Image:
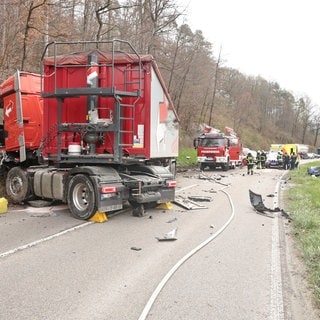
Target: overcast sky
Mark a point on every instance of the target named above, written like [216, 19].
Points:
[276, 39]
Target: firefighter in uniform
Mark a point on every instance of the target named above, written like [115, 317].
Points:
[250, 163]
[280, 159]
[263, 159]
[258, 159]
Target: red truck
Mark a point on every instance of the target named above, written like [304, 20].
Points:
[95, 129]
[218, 149]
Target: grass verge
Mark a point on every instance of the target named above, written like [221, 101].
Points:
[187, 157]
[303, 203]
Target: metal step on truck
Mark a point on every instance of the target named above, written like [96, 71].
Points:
[95, 129]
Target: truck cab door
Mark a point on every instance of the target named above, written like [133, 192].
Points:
[13, 120]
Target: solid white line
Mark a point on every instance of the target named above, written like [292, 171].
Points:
[34, 243]
[276, 304]
[163, 282]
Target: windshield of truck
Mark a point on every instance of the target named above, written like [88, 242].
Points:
[211, 142]
[234, 141]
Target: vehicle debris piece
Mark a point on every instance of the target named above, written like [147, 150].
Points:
[200, 198]
[170, 236]
[257, 203]
[211, 191]
[172, 220]
[286, 215]
[215, 177]
[313, 171]
[135, 248]
[188, 204]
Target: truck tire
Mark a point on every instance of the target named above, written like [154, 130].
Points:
[225, 167]
[18, 187]
[81, 197]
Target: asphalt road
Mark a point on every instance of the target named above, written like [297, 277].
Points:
[227, 262]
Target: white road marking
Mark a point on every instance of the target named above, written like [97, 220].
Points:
[34, 243]
[166, 278]
[276, 303]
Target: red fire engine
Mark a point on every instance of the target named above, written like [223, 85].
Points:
[218, 149]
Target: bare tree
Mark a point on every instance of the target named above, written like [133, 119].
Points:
[316, 129]
[30, 26]
[160, 16]
[306, 115]
[214, 87]
[200, 87]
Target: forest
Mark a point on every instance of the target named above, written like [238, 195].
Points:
[203, 89]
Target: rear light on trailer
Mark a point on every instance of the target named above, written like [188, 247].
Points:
[171, 184]
[108, 189]
[107, 192]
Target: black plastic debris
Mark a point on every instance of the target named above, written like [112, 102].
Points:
[314, 171]
[135, 248]
[286, 215]
[257, 203]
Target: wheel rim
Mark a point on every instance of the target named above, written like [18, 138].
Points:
[16, 185]
[81, 196]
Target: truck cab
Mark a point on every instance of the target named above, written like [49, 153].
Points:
[212, 150]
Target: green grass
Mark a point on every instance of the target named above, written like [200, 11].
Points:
[187, 157]
[303, 203]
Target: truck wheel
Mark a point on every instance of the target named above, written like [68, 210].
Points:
[17, 185]
[202, 166]
[138, 210]
[81, 197]
[225, 167]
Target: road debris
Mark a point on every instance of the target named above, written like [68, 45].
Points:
[257, 203]
[187, 203]
[210, 191]
[170, 236]
[135, 248]
[200, 198]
